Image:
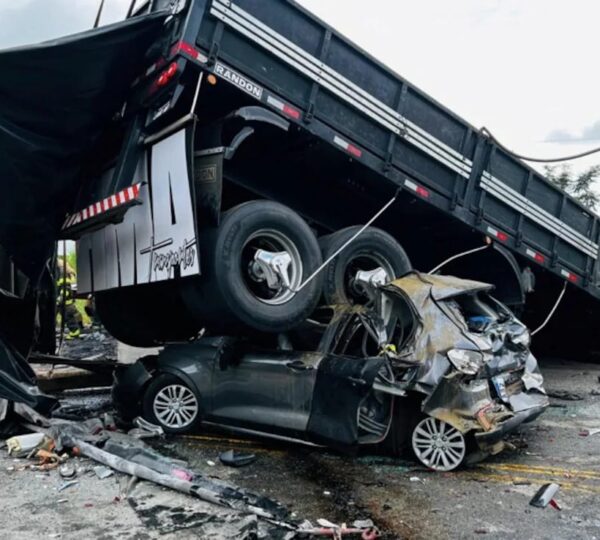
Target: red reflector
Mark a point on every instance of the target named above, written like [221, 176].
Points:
[422, 192]
[498, 235]
[187, 48]
[539, 258]
[569, 275]
[293, 113]
[166, 76]
[354, 151]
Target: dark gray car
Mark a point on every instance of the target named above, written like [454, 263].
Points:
[434, 361]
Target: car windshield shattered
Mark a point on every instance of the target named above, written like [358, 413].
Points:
[432, 364]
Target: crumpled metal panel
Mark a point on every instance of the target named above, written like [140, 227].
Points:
[467, 402]
[439, 287]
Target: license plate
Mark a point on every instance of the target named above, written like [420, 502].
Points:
[500, 387]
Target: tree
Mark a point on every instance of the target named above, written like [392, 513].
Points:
[579, 185]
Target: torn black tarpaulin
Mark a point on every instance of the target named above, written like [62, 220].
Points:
[17, 380]
[55, 99]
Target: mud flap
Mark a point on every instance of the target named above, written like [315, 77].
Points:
[208, 187]
[156, 241]
[342, 385]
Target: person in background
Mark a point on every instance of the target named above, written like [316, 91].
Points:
[65, 301]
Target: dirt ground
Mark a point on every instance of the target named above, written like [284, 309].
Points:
[490, 500]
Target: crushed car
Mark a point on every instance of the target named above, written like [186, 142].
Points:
[433, 362]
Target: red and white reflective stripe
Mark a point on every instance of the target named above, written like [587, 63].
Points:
[419, 190]
[190, 50]
[499, 235]
[283, 107]
[350, 148]
[569, 275]
[538, 257]
[123, 196]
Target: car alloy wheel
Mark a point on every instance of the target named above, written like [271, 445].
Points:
[438, 445]
[175, 406]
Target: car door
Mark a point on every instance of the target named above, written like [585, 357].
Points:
[269, 391]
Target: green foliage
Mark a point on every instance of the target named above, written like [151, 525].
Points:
[72, 260]
[579, 185]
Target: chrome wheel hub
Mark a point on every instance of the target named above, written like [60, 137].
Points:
[364, 273]
[175, 406]
[438, 445]
[271, 266]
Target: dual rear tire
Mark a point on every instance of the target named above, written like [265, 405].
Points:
[253, 265]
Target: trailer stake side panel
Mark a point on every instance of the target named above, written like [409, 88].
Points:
[280, 54]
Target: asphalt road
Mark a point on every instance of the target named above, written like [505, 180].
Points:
[406, 501]
[490, 500]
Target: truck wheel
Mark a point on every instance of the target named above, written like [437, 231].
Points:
[252, 264]
[170, 403]
[373, 250]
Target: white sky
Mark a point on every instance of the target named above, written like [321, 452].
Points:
[526, 69]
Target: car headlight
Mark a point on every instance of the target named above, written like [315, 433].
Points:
[466, 361]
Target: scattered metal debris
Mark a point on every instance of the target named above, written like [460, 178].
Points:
[67, 484]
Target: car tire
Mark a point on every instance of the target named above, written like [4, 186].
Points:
[437, 445]
[145, 315]
[165, 391]
[372, 249]
[232, 290]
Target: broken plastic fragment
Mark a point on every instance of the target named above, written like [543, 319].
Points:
[102, 472]
[544, 495]
[23, 444]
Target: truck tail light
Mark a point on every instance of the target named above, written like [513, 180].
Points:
[167, 75]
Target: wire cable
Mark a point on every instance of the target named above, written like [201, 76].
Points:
[457, 256]
[486, 132]
[347, 243]
[554, 308]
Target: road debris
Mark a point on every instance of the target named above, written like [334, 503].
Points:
[236, 459]
[365, 528]
[66, 485]
[545, 496]
[565, 395]
[22, 445]
[102, 472]
[67, 471]
[589, 432]
[115, 451]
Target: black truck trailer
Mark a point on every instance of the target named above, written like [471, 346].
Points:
[256, 140]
